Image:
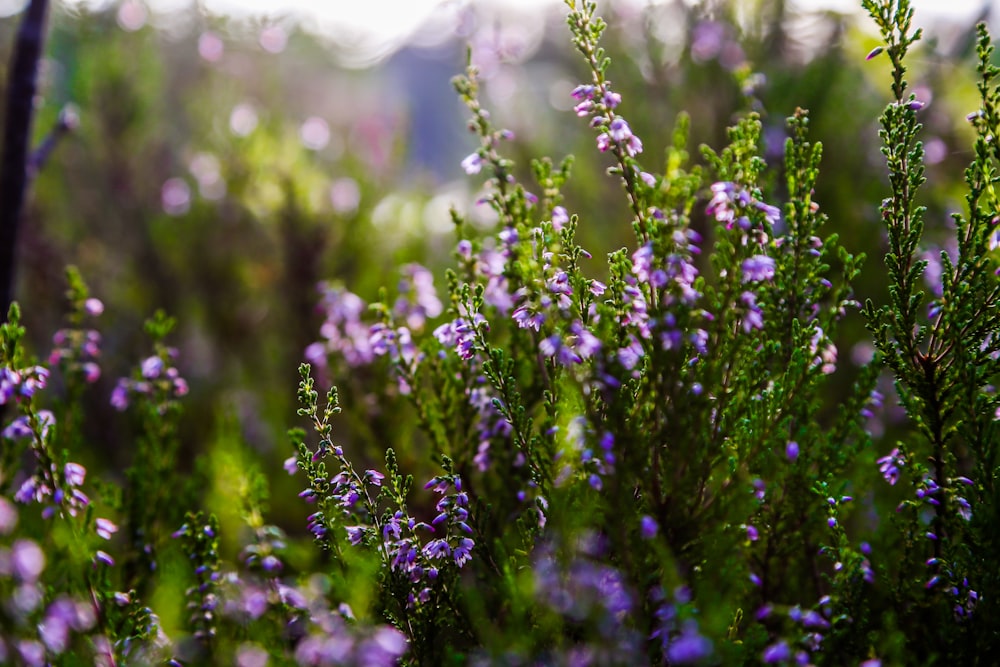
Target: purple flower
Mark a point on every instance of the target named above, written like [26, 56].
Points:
[874, 52]
[119, 395]
[472, 164]
[758, 267]
[463, 551]
[584, 108]
[619, 130]
[104, 558]
[355, 534]
[437, 549]
[754, 318]
[105, 528]
[27, 560]
[889, 466]
[559, 218]
[648, 527]
[771, 213]
[777, 652]
[792, 450]
[93, 307]
[152, 367]
[690, 647]
[17, 429]
[74, 473]
[964, 509]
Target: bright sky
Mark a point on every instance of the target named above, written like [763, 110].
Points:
[378, 26]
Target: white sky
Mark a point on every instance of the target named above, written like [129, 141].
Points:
[380, 25]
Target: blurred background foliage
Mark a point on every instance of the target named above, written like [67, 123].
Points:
[223, 167]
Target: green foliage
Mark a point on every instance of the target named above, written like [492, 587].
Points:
[658, 456]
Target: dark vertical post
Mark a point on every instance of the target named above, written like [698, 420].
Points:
[21, 87]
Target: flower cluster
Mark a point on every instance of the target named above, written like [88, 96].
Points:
[77, 350]
[21, 384]
[343, 330]
[158, 379]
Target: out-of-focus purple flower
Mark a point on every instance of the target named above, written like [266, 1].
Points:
[27, 561]
[8, 516]
[152, 367]
[251, 655]
[648, 527]
[119, 395]
[758, 267]
[754, 316]
[33, 379]
[690, 647]
[104, 558]
[964, 508]
[31, 652]
[383, 649]
[105, 528]
[75, 474]
[560, 218]
[777, 652]
[792, 450]
[17, 429]
[93, 307]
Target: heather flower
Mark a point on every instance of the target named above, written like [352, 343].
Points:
[152, 367]
[889, 466]
[754, 316]
[758, 267]
[27, 561]
[771, 213]
[17, 429]
[690, 647]
[777, 652]
[463, 551]
[472, 164]
[560, 218]
[619, 130]
[964, 508]
[792, 450]
[648, 527]
[119, 395]
[418, 300]
[33, 379]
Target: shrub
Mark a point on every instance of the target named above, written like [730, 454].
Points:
[657, 468]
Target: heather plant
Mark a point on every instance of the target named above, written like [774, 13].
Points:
[585, 456]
